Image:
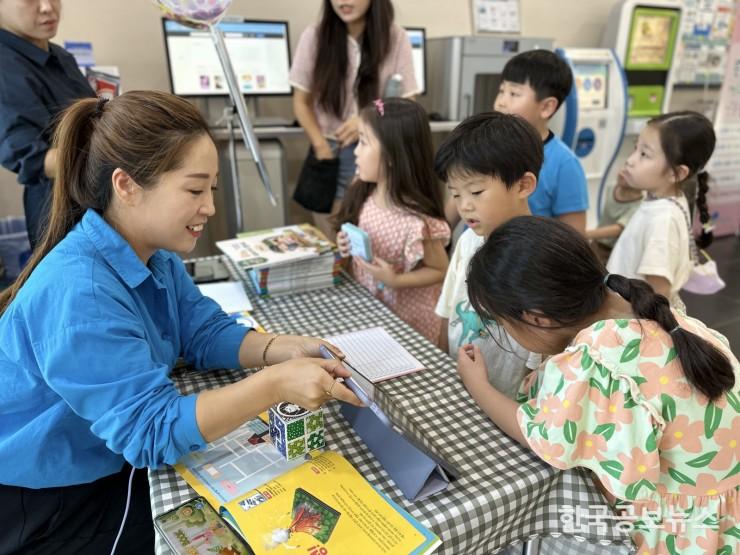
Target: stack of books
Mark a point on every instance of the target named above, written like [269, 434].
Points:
[284, 260]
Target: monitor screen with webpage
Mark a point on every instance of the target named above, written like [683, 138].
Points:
[259, 52]
[417, 38]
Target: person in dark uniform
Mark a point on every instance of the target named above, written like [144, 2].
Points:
[38, 80]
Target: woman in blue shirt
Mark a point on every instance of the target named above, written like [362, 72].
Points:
[38, 80]
[92, 327]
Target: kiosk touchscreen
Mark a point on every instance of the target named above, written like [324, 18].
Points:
[645, 35]
[593, 117]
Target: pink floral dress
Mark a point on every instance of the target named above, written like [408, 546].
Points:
[617, 402]
[396, 236]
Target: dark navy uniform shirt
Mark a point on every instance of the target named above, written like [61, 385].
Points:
[35, 86]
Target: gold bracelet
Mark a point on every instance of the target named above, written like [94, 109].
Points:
[264, 353]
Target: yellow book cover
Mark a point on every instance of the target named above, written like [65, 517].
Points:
[323, 507]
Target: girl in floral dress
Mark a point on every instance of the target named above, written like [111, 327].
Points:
[641, 395]
[397, 200]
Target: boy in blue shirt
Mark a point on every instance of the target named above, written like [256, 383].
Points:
[534, 84]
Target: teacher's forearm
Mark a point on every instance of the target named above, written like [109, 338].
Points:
[253, 347]
[220, 411]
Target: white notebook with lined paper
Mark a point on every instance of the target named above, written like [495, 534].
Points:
[375, 354]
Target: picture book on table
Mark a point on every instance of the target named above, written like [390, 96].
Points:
[319, 506]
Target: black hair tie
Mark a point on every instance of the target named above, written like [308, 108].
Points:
[102, 101]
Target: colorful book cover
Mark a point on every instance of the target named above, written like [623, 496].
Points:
[276, 246]
[235, 464]
[325, 506]
[322, 506]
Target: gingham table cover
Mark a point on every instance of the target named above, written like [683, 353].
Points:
[504, 495]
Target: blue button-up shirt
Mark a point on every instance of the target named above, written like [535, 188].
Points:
[86, 349]
[35, 86]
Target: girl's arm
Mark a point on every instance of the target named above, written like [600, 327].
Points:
[576, 220]
[660, 284]
[431, 272]
[433, 269]
[605, 232]
[472, 369]
[303, 109]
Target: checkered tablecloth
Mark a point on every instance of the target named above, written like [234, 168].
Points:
[505, 494]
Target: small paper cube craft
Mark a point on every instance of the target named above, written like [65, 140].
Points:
[294, 430]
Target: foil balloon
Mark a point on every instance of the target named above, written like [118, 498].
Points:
[195, 13]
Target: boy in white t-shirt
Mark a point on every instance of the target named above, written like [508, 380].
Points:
[490, 164]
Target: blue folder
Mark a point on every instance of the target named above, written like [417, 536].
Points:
[417, 472]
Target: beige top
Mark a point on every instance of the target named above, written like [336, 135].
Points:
[399, 60]
[655, 243]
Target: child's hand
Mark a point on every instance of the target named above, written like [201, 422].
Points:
[380, 270]
[343, 244]
[471, 366]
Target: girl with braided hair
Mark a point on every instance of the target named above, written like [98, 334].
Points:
[643, 396]
[655, 245]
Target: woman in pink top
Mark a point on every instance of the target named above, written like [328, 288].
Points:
[397, 200]
[360, 48]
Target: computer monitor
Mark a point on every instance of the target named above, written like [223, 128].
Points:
[259, 52]
[591, 85]
[417, 38]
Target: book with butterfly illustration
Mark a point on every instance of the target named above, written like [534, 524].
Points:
[324, 505]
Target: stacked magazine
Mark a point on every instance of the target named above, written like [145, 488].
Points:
[287, 259]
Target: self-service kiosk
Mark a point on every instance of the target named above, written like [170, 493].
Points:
[465, 72]
[593, 117]
[645, 36]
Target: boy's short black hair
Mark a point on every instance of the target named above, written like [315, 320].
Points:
[503, 146]
[546, 72]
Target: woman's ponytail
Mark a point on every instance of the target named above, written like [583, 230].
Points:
[72, 142]
[706, 236]
[705, 367]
